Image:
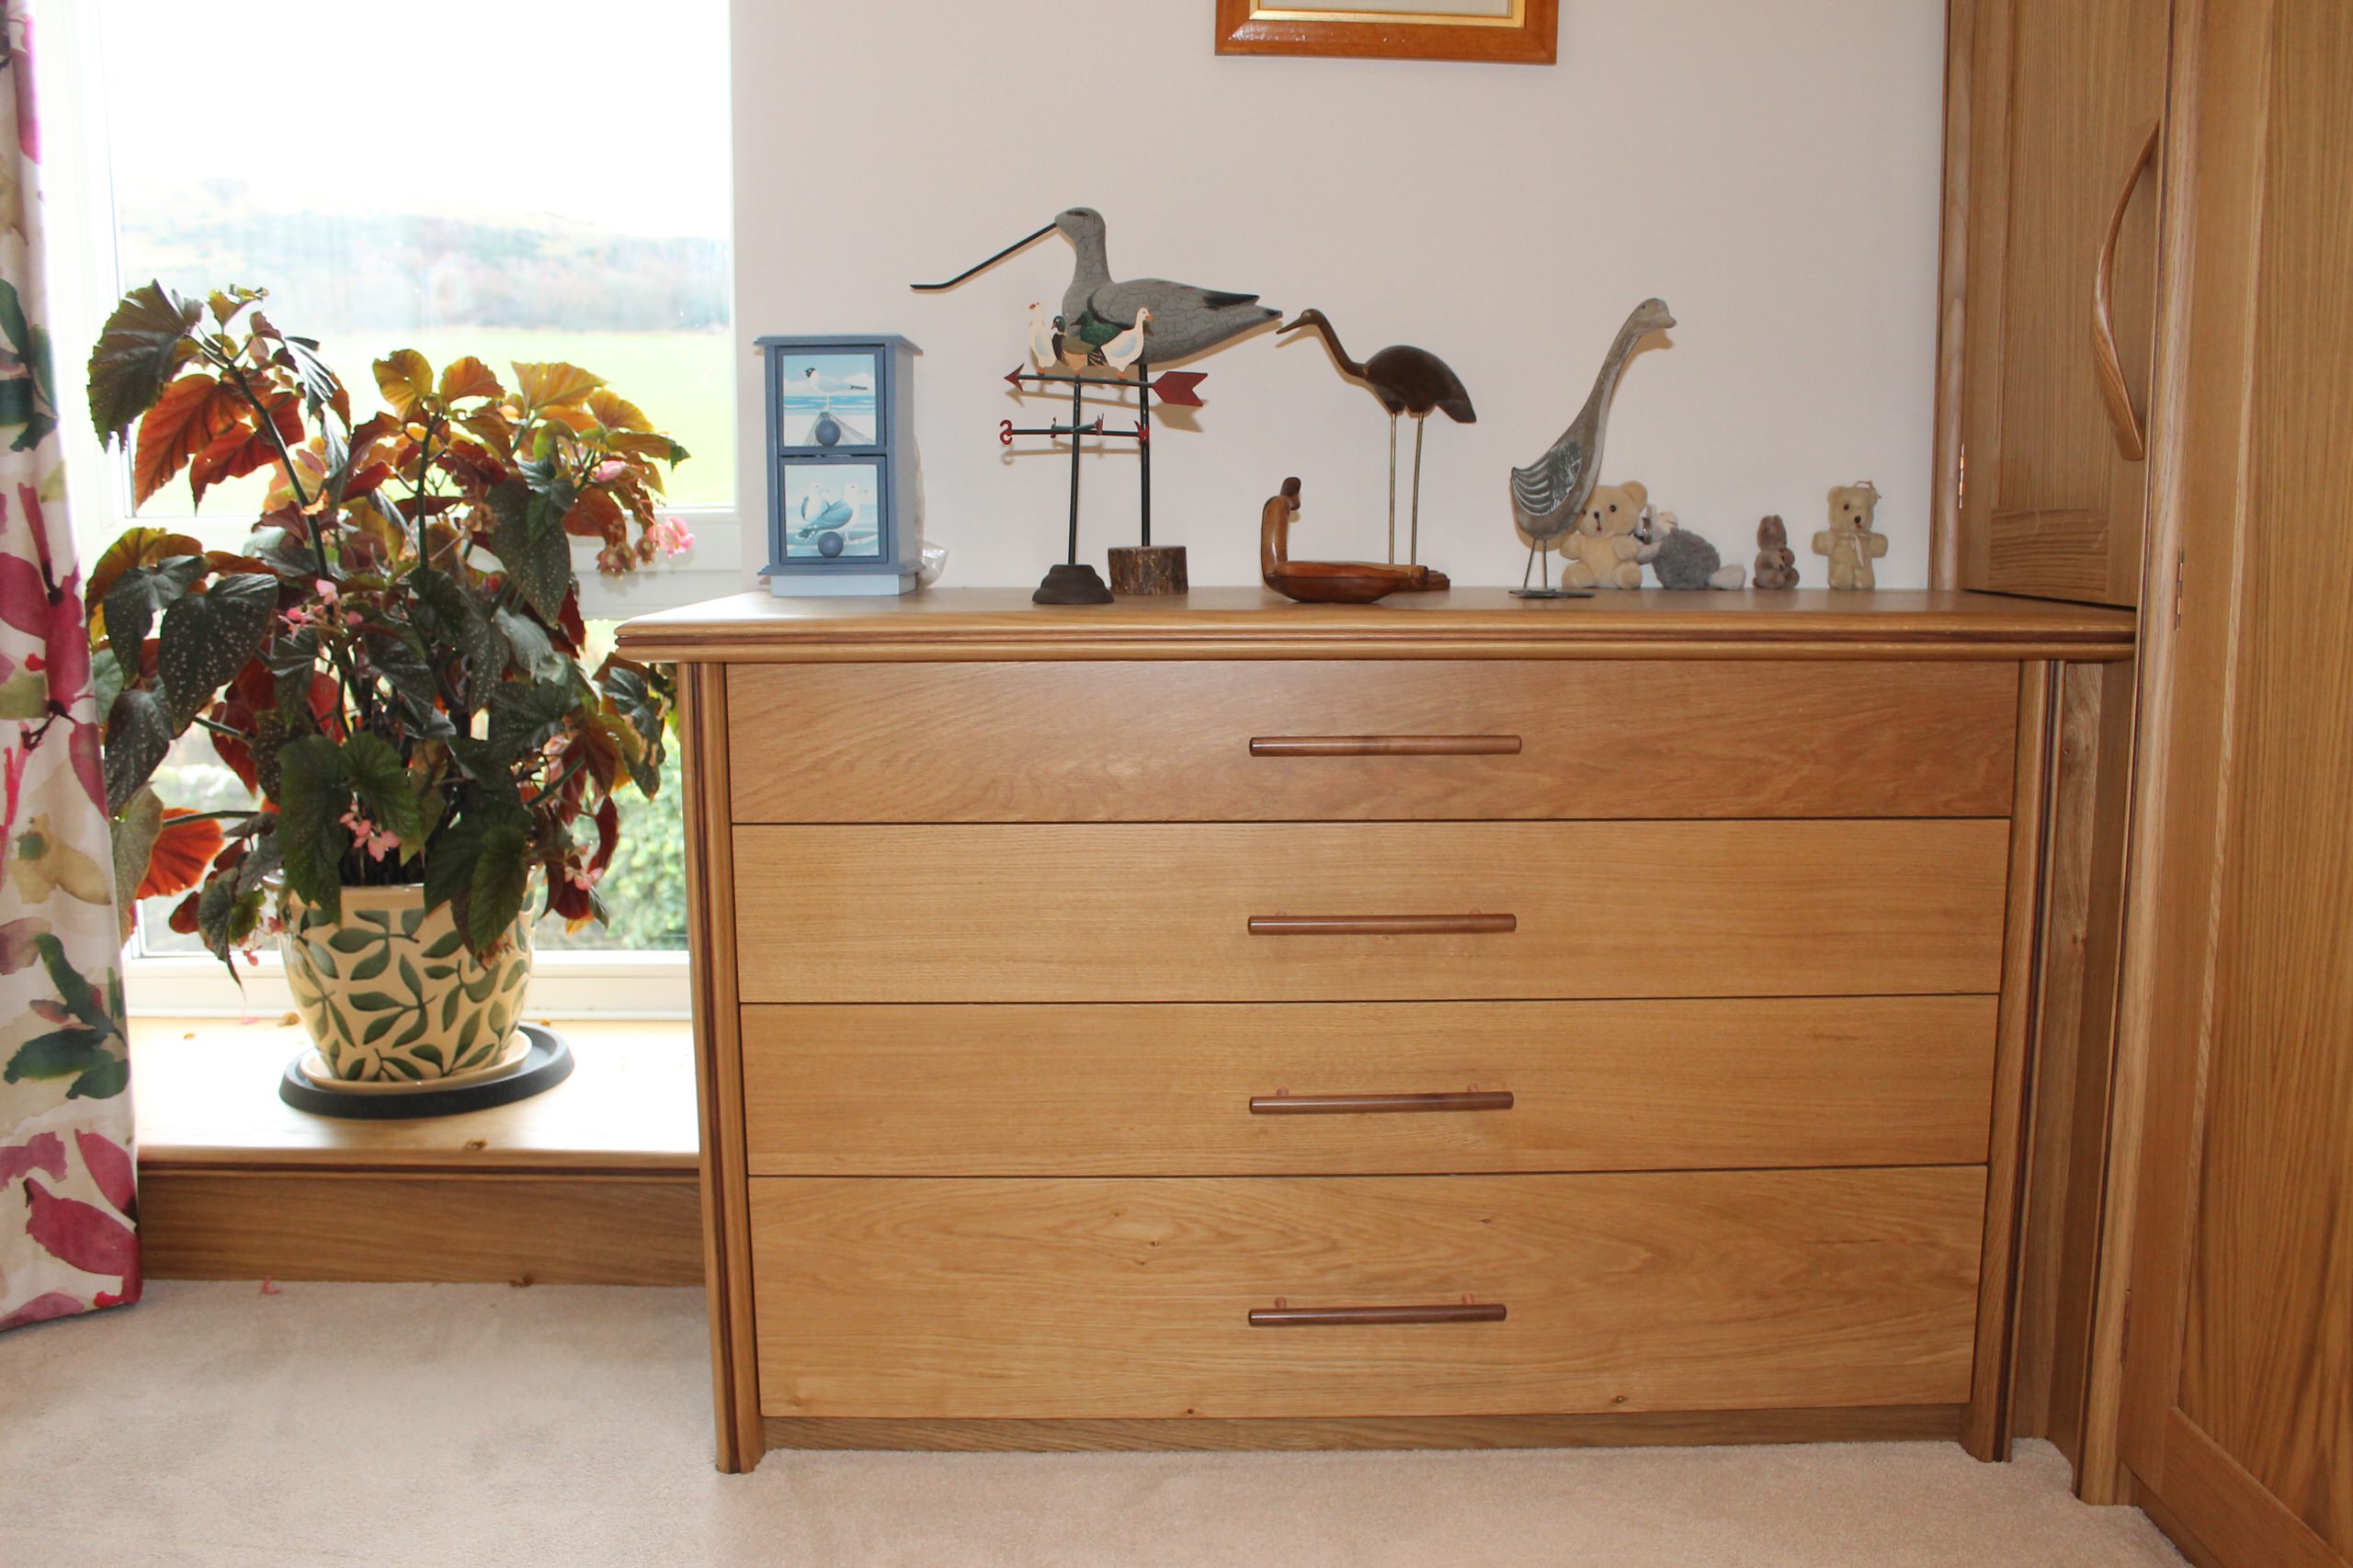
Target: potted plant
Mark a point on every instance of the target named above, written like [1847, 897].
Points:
[393, 663]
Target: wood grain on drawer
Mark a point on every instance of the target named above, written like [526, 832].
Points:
[1079, 1298]
[1143, 913]
[1172, 741]
[1143, 1090]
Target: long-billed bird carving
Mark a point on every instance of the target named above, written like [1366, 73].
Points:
[1408, 380]
[1186, 319]
[1548, 495]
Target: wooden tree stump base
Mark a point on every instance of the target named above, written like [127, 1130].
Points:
[1155, 569]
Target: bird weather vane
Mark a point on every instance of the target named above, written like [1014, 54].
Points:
[1118, 327]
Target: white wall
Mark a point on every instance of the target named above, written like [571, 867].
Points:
[1771, 170]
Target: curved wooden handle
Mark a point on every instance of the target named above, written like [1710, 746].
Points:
[1368, 1317]
[1383, 925]
[1384, 745]
[1370, 1105]
[2132, 430]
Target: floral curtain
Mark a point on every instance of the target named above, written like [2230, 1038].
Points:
[68, 1196]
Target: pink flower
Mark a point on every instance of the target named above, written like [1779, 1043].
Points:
[366, 835]
[608, 470]
[671, 534]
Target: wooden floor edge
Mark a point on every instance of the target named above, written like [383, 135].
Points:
[1898, 1422]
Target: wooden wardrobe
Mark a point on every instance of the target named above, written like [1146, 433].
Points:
[2148, 401]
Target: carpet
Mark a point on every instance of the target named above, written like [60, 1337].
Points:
[471, 1426]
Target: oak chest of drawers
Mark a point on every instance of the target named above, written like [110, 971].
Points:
[1466, 1020]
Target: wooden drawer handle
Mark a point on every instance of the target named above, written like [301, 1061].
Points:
[1383, 925]
[1368, 1104]
[1384, 745]
[1374, 1317]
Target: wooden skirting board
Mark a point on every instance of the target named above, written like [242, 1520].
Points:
[593, 1183]
[1894, 1423]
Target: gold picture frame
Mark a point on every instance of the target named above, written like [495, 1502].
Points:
[1524, 32]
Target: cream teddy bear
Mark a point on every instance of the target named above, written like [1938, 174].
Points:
[1604, 551]
[1848, 542]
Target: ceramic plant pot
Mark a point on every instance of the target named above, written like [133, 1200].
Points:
[391, 995]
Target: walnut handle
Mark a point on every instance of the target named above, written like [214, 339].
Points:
[1375, 1317]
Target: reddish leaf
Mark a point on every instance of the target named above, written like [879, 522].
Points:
[568, 617]
[596, 515]
[43, 1308]
[182, 851]
[44, 1152]
[82, 1233]
[241, 449]
[467, 378]
[403, 376]
[140, 546]
[183, 918]
[110, 1165]
[608, 835]
[192, 412]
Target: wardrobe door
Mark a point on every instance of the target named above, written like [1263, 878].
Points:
[2238, 1375]
[2066, 97]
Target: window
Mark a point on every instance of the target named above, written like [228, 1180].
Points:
[527, 179]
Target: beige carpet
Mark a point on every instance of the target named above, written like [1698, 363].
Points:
[462, 1427]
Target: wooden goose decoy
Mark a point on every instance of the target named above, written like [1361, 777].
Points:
[1408, 380]
[1328, 581]
[1186, 319]
[1548, 495]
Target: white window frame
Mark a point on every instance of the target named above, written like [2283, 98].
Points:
[83, 268]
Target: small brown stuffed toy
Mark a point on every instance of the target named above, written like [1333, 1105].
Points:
[1777, 563]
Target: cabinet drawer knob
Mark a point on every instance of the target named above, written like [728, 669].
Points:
[1383, 925]
[1375, 1317]
[1384, 745]
[1368, 1104]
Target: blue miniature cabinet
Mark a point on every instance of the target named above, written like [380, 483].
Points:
[841, 465]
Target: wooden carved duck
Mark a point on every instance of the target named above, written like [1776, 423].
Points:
[1328, 581]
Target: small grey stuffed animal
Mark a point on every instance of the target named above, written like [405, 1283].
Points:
[1684, 561]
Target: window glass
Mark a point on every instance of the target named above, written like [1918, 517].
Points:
[519, 180]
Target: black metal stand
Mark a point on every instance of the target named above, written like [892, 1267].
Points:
[1145, 569]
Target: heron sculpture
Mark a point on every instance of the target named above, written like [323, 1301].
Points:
[1186, 319]
[1549, 493]
[1408, 380]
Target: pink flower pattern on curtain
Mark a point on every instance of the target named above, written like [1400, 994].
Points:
[68, 1193]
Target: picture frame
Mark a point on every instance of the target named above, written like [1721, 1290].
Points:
[1525, 32]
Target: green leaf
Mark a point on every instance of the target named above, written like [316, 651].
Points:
[136, 828]
[372, 965]
[373, 1002]
[431, 1053]
[386, 796]
[380, 1028]
[501, 877]
[105, 1081]
[449, 618]
[61, 1053]
[138, 735]
[312, 795]
[443, 948]
[226, 913]
[538, 557]
[141, 344]
[209, 637]
[534, 654]
[138, 594]
[523, 717]
[353, 939]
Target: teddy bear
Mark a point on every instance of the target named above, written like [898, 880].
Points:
[1777, 563]
[1682, 559]
[1848, 542]
[1604, 550]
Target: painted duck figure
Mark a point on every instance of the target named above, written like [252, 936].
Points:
[1187, 320]
[1548, 495]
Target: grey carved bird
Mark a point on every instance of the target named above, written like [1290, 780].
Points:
[1408, 380]
[1186, 319]
[1548, 495]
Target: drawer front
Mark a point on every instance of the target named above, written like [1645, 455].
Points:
[1345, 740]
[1078, 1298]
[1426, 911]
[1366, 1089]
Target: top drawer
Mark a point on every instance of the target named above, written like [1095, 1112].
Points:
[1275, 741]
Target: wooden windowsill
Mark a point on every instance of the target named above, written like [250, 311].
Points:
[206, 1091]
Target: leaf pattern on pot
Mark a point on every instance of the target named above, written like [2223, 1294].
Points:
[390, 992]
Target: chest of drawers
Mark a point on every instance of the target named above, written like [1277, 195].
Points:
[1222, 1021]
